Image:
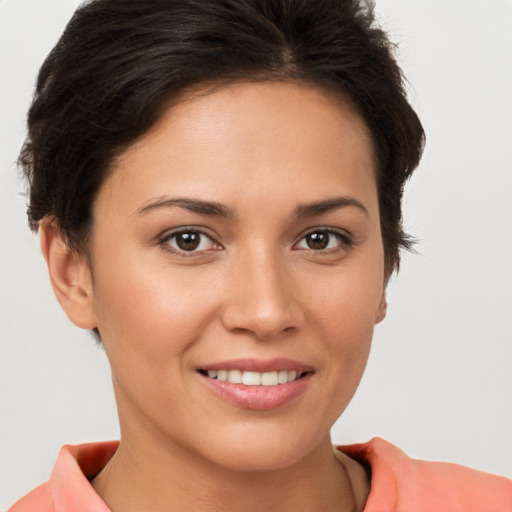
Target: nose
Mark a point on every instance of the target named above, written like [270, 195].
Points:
[260, 299]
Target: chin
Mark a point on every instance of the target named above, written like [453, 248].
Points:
[263, 460]
[266, 451]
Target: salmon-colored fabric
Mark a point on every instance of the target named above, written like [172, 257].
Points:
[402, 484]
[398, 483]
[68, 489]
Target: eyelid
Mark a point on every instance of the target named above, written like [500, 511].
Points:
[163, 240]
[346, 238]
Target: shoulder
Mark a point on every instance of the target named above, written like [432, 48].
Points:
[69, 488]
[399, 482]
[39, 499]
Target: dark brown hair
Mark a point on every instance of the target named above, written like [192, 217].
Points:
[119, 63]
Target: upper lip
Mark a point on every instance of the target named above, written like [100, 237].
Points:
[258, 365]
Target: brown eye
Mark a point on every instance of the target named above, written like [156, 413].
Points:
[324, 240]
[189, 241]
[318, 241]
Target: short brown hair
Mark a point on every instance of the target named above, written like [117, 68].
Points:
[119, 62]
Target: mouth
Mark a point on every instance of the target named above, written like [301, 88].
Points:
[258, 385]
[251, 378]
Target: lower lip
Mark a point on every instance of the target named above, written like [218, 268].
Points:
[258, 397]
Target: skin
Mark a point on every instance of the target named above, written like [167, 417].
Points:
[254, 288]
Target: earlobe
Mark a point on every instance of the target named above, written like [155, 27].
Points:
[382, 310]
[69, 274]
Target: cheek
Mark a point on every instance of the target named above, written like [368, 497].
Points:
[349, 298]
[152, 311]
[345, 312]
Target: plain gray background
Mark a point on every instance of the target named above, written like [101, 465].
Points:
[439, 380]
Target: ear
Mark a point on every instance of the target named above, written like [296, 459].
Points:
[69, 274]
[382, 309]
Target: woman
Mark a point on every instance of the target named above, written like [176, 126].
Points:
[237, 172]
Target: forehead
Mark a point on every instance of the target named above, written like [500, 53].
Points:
[254, 139]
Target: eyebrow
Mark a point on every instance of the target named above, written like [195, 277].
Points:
[327, 205]
[194, 205]
[219, 210]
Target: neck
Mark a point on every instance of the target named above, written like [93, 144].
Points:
[144, 476]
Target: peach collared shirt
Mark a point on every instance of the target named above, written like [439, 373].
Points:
[398, 483]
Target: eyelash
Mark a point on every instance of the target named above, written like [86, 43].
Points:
[165, 242]
[344, 239]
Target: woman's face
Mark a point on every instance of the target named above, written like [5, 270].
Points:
[240, 239]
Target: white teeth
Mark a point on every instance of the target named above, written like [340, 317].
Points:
[282, 377]
[235, 376]
[254, 378]
[269, 379]
[251, 378]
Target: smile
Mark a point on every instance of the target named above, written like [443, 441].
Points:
[256, 384]
[248, 378]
